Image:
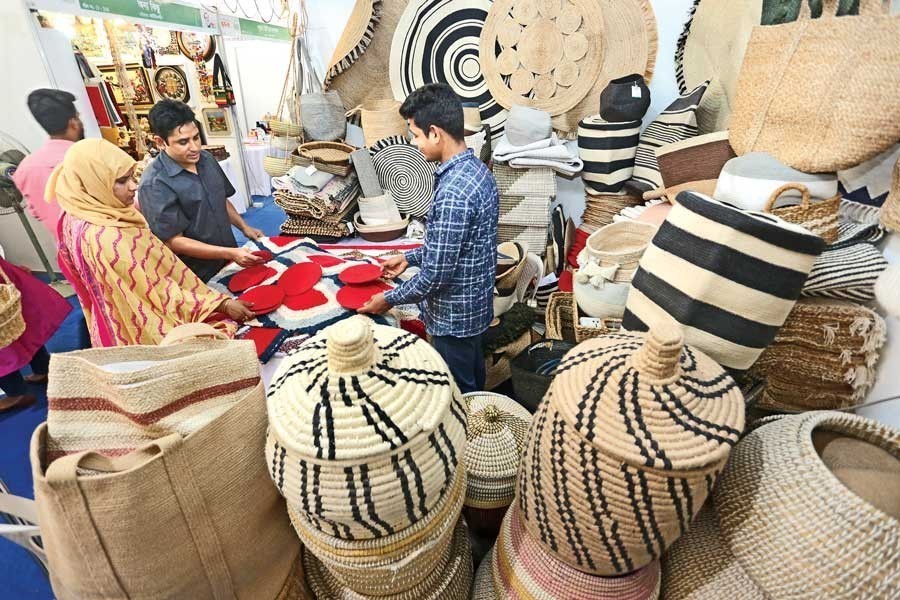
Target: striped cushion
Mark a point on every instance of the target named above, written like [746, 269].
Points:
[607, 150]
[678, 122]
[729, 276]
[848, 268]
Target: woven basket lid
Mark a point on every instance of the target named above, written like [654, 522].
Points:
[519, 563]
[357, 391]
[651, 402]
[496, 435]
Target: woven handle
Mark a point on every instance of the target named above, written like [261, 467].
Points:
[353, 111]
[804, 202]
[65, 468]
[191, 331]
[23, 508]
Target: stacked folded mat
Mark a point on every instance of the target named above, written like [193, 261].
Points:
[525, 196]
[367, 433]
[318, 205]
[620, 455]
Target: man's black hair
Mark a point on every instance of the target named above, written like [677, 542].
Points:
[52, 109]
[168, 115]
[435, 104]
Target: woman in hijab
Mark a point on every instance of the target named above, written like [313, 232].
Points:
[133, 289]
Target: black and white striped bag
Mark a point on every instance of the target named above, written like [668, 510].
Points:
[678, 122]
[607, 151]
[728, 276]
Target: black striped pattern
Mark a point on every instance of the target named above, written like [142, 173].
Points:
[403, 171]
[678, 122]
[679, 49]
[351, 57]
[846, 273]
[608, 152]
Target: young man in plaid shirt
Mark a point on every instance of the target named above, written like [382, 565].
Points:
[455, 285]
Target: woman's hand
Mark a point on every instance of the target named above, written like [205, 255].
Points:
[237, 310]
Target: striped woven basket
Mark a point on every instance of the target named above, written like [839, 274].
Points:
[522, 210]
[12, 325]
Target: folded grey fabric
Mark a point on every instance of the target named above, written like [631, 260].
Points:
[365, 171]
[527, 125]
[309, 182]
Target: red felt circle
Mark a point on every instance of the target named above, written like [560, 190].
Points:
[353, 297]
[325, 260]
[306, 300]
[364, 273]
[283, 240]
[300, 278]
[249, 277]
[263, 254]
[264, 298]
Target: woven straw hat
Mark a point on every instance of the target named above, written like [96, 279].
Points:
[366, 428]
[495, 440]
[521, 568]
[711, 47]
[354, 40]
[806, 508]
[625, 448]
[452, 582]
[392, 564]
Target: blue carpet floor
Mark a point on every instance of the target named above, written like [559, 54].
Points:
[21, 576]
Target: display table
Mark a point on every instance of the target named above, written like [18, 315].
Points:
[239, 200]
[258, 181]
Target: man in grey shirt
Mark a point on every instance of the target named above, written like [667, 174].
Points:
[184, 196]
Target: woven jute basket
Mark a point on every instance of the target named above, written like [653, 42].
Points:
[380, 119]
[890, 211]
[332, 153]
[277, 167]
[340, 170]
[285, 128]
[563, 320]
[12, 325]
[452, 582]
[366, 429]
[625, 448]
[522, 569]
[806, 509]
[392, 564]
[495, 440]
[820, 217]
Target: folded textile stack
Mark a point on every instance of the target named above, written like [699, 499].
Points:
[525, 196]
[823, 357]
[329, 227]
[601, 209]
[318, 205]
[849, 267]
[367, 431]
[603, 490]
[806, 508]
[529, 142]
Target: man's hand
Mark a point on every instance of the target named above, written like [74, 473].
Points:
[237, 310]
[252, 233]
[394, 266]
[376, 306]
[244, 257]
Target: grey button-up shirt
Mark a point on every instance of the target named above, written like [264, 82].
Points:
[177, 202]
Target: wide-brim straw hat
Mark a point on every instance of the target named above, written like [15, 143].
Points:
[625, 448]
[693, 164]
[806, 508]
[711, 47]
[393, 564]
[522, 568]
[449, 583]
[495, 438]
[366, 428]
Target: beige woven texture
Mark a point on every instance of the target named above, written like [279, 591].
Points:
[401, 419]
[449, 583]
[192, 517]
[618, 245]
[563, 324]
[381, 119]
[824, 357]
[600, 209]
[807, 508]
[624, 449]
[521, 568]
[495, 441]
[12, 325]
[791, 98]
[890, 212]
[352, 38]
[820, 217]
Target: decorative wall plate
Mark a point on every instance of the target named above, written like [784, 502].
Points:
[192, 44]
[170, 82]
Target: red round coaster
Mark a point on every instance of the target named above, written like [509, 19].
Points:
[353, 297]
[306, 300]
[264, 298]
[365, 273]
[283, 240]
[249, 277]
[300, 278]
[264, 254]
[325, 260]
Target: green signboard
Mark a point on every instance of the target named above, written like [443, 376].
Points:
[147, 9]
[264, 30]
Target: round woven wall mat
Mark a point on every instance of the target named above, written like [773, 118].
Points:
[438, 41]
[403, 171]
[507, 61]
[540, 49]
[544, 87]
[627, 44]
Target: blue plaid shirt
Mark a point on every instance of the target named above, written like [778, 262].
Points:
[455, 286]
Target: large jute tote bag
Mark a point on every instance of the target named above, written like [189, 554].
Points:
[821, 94]
[182, 516]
